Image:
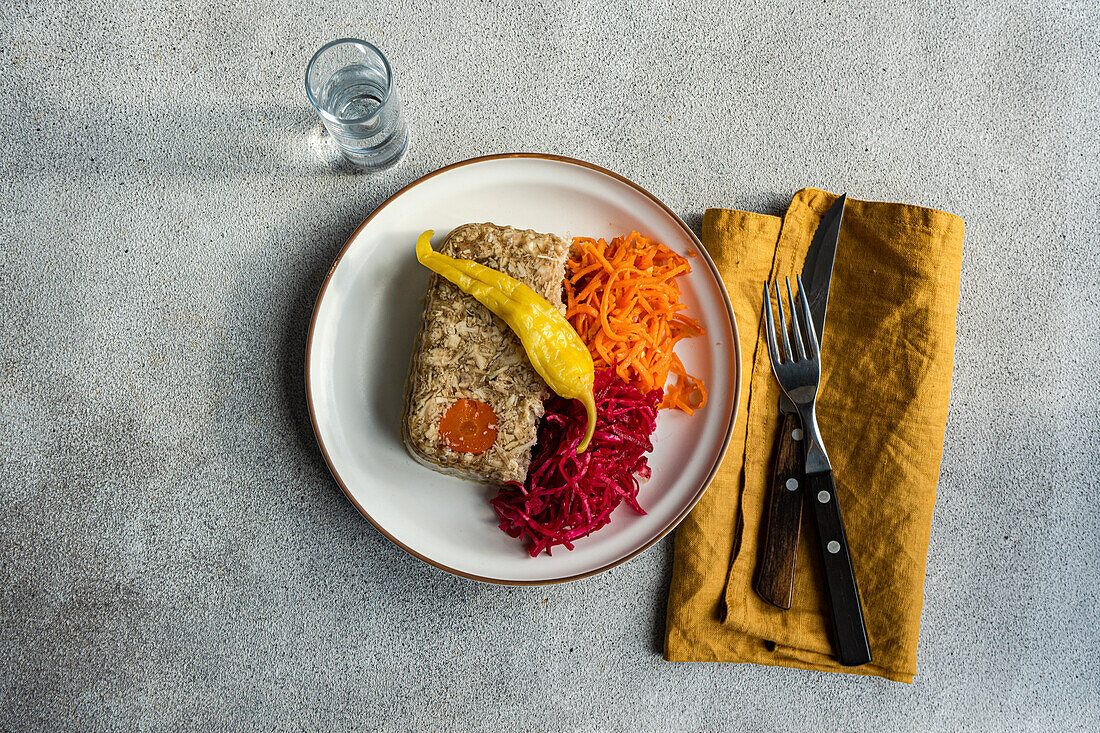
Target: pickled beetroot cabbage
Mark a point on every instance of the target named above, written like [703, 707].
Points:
[568, 495]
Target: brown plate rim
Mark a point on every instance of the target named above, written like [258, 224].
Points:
[736, 350]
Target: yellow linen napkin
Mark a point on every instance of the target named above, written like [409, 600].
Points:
[882, 408]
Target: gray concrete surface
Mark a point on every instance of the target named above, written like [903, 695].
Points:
[173, 552]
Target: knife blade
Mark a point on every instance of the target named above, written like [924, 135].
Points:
[775, 578]
[818, 267]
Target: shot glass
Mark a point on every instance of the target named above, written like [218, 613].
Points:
[350, 84]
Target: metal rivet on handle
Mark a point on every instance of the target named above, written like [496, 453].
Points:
[792, 484]
[833, 547]
[796, 434]
[823, 497]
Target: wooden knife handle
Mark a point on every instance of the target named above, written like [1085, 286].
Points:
[775, 578]
[848, 628]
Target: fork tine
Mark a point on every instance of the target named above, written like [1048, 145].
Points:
[807, 322]
[773, 347]
[783, 322]
[794, 321]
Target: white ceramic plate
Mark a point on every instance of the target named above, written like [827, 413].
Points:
[361, 339]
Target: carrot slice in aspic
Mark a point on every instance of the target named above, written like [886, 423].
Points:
[469, 426]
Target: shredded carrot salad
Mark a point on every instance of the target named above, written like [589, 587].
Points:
[623, 300]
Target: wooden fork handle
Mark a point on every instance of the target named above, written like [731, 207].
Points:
[848, 628]
[775, 577]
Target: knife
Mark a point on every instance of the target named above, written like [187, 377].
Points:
[775, 578]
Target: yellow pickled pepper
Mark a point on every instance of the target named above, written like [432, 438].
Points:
[553, 346]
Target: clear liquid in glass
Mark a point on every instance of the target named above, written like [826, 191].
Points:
[369, 127]
[354, 92]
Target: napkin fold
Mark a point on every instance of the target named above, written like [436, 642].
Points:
[882, 408]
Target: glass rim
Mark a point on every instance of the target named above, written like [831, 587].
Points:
[324, 112]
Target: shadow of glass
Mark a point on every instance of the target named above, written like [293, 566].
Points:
[216, 144]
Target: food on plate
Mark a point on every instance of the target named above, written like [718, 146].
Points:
[463, 352]
[496, 333]
[623, 299]
[568, 495]
[469, 426]
[553, 347]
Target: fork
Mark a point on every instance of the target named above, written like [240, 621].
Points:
[799, 374]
